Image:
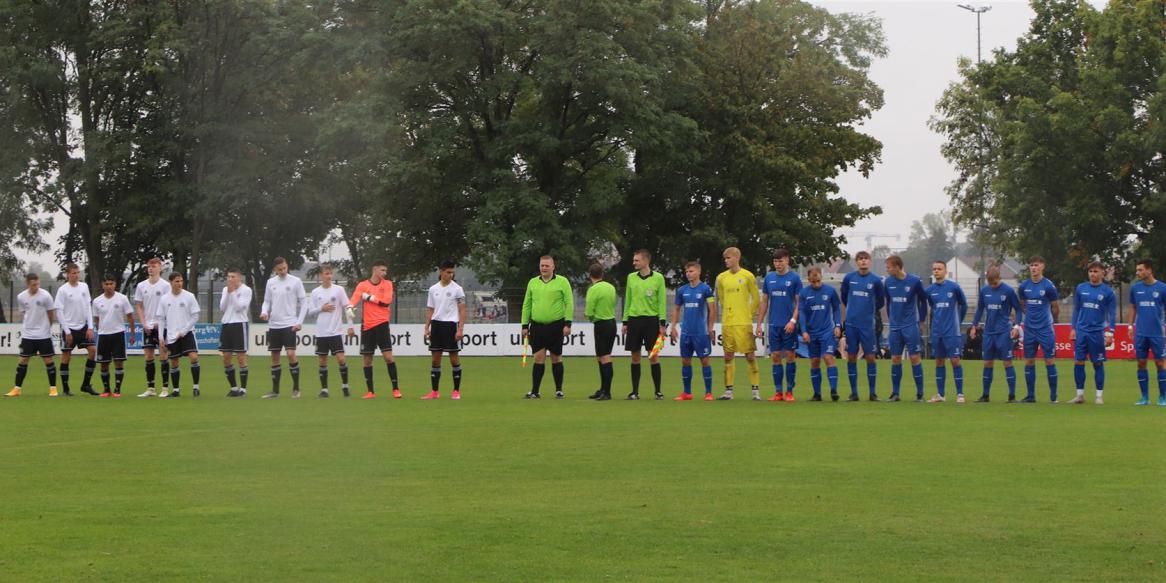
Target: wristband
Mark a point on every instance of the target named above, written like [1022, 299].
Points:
[663, 323]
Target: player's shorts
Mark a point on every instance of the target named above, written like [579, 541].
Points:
[907, 339]
[859, 337]
[605, 333]
[1143, 345]
[1089, 346]
[698, 345]
[443, 337]
[1045, 340]
[151, 338]
[642, 333]
[547, 337]
[280, 339]
[326, 345]
[79, 340]
[111, 347]
[376, 339]
[997, 346]
[233, 337]
[822, 345]
[182, 346]
[738, 340]
[779, 341]
[947, 347]
[36, 347]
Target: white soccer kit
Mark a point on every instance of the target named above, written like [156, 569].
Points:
[236, 306]
[444, 300]
[285, 302]
[36, 325]
[111, 313]
[149, 294]
[329, 323]
[177, 314]
[74, 311]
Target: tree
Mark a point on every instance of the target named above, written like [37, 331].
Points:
[931, 239]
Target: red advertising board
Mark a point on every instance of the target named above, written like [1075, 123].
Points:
[1121, 347]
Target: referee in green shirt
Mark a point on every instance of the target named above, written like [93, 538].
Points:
[546, 313]
[645, 317]
[600, 311]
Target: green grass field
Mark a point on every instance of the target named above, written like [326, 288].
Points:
[500, 489]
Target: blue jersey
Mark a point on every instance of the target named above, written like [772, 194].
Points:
[949, 307]
[997, 305]
[1094, 307]
[821, 312]
[694, 309]
[1150, 301]
[1037, 299]
[863, 297]
[906, 301]
[782, 291]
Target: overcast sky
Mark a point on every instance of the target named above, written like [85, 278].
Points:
[925, 38]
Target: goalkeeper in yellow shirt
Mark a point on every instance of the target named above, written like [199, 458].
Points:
[740, 300]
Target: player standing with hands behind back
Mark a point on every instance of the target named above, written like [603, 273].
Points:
[546, 320]
[445, 324]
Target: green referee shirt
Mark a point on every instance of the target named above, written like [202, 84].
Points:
[600, 302]
[547, 301]
[645, 296]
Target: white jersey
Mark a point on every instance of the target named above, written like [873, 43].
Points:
[74, 311]
[177, 314]
[149, 294]
[285, 302]
[111, 313]
[329, 323]
[444, 300]
[236, 306]
[36, 308]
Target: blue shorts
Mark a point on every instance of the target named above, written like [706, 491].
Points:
[779, 341]
[698, 346]
[822, 345]
[1089, 346]
[1045, 340]
[947, 347]
[997, 346]
[1143, 345]
[857, 337]
[907, 339]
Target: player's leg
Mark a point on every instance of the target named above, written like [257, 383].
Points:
[164, 365]
[230, 373]
[940, 372]
[634, 367]
[706, 369]
[342, 365]
[1080, 356]
[67, 342]
[90, 366]
[367, 349]
[754, 373]
[434, 375]
[831, 372]
[322, 366]
[815, 374]
[538, 347]
[51, 370]
[1160, 365]
[685, 372]
[871, 375]
[791, 366]
[988, 374]
[1030, 347]
[391, 367]
[175, 375]
[1097, 351]
[455, 371]
[897, 343]
[293, 366]
[657, 375]
[276, 368]
[773, 341]
[853, 343]
[21, 372]
[1049, 351]
[1141, 353]
[557, 373]
[195, 371]
[151, 365]
[119, 375]
[107, 390]
[957, 374]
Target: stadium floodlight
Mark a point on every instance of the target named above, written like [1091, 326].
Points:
[978, 10]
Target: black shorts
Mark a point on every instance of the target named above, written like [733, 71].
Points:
[111, 347]
[443, 337]
[281, 339]
[547, 337]
[151, 339]
[79, 340]
[233, 337]
[326, 345]
[642, 332]
[182, 346]
[376, 339]
[37, 347]
[605, 333]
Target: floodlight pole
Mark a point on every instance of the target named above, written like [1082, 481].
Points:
[978, 10]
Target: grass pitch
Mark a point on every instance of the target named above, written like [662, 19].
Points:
[496, 488]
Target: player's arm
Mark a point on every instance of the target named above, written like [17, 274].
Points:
[1076, 307]
[1110, 312]
[302, 296]
[921, 302]
[129, 312]
[527, 303]
[662, 305]
[712, 303]
[89, 319]
[762, 311]
[356, 293]
[961, 305]
[194, 310]
[880, 296]
[225, 300]
[1054, 305]
[568, 305]
[755, 298]
[676, 318]
[461, 316]
[265, 309]
[836, 310]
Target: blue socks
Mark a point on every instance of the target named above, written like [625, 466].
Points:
[1010, 376]
[1030, 380]
[871, 376]
[1051, 370]
[1098, 376]
[1079, 376]
[1144, 382]
[941, 380]
[1162, 383]
[791, 372]
[917, 373]
[686, 374]
[896, 377]
[957, 371]
[832, 376]
[852, 376]
[816, 380]
[707, 371]
[778, 376]
[988, 373]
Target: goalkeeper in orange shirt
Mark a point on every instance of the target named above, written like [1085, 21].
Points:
[375, 295]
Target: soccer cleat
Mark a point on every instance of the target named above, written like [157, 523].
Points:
[295, 393]
[15, 392]
[164, 393]
[959, 398]
[1078, 400]
[603, 397]
[457, 395]
[1011, 398]
[683, 397]
[90, 391]
[633, 397]
[397, 393]
[708, 396]
[596, 394]
[1162, 401]
[936, 399]
[234, 393]
[833, 396]
[1098, 401]
[874, 398]
[346, 393]
[1143, 402]
[323, 394]
[196, 393]
[271, 395]
[1027, 400]
[757, 397]
[176, 393]
[659, 396]
[778, 396]
[117, 395]
[533, 395]
[894, 398]
[431, 395]
[369, 395]
[983, 399]
[149, 393]
[66, 394]
[789, 396]
[559, 394]
[106, 395]
[726, 396]
[52, 391]
[816, 397]
[852, 398]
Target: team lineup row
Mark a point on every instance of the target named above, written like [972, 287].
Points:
[780, 306]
